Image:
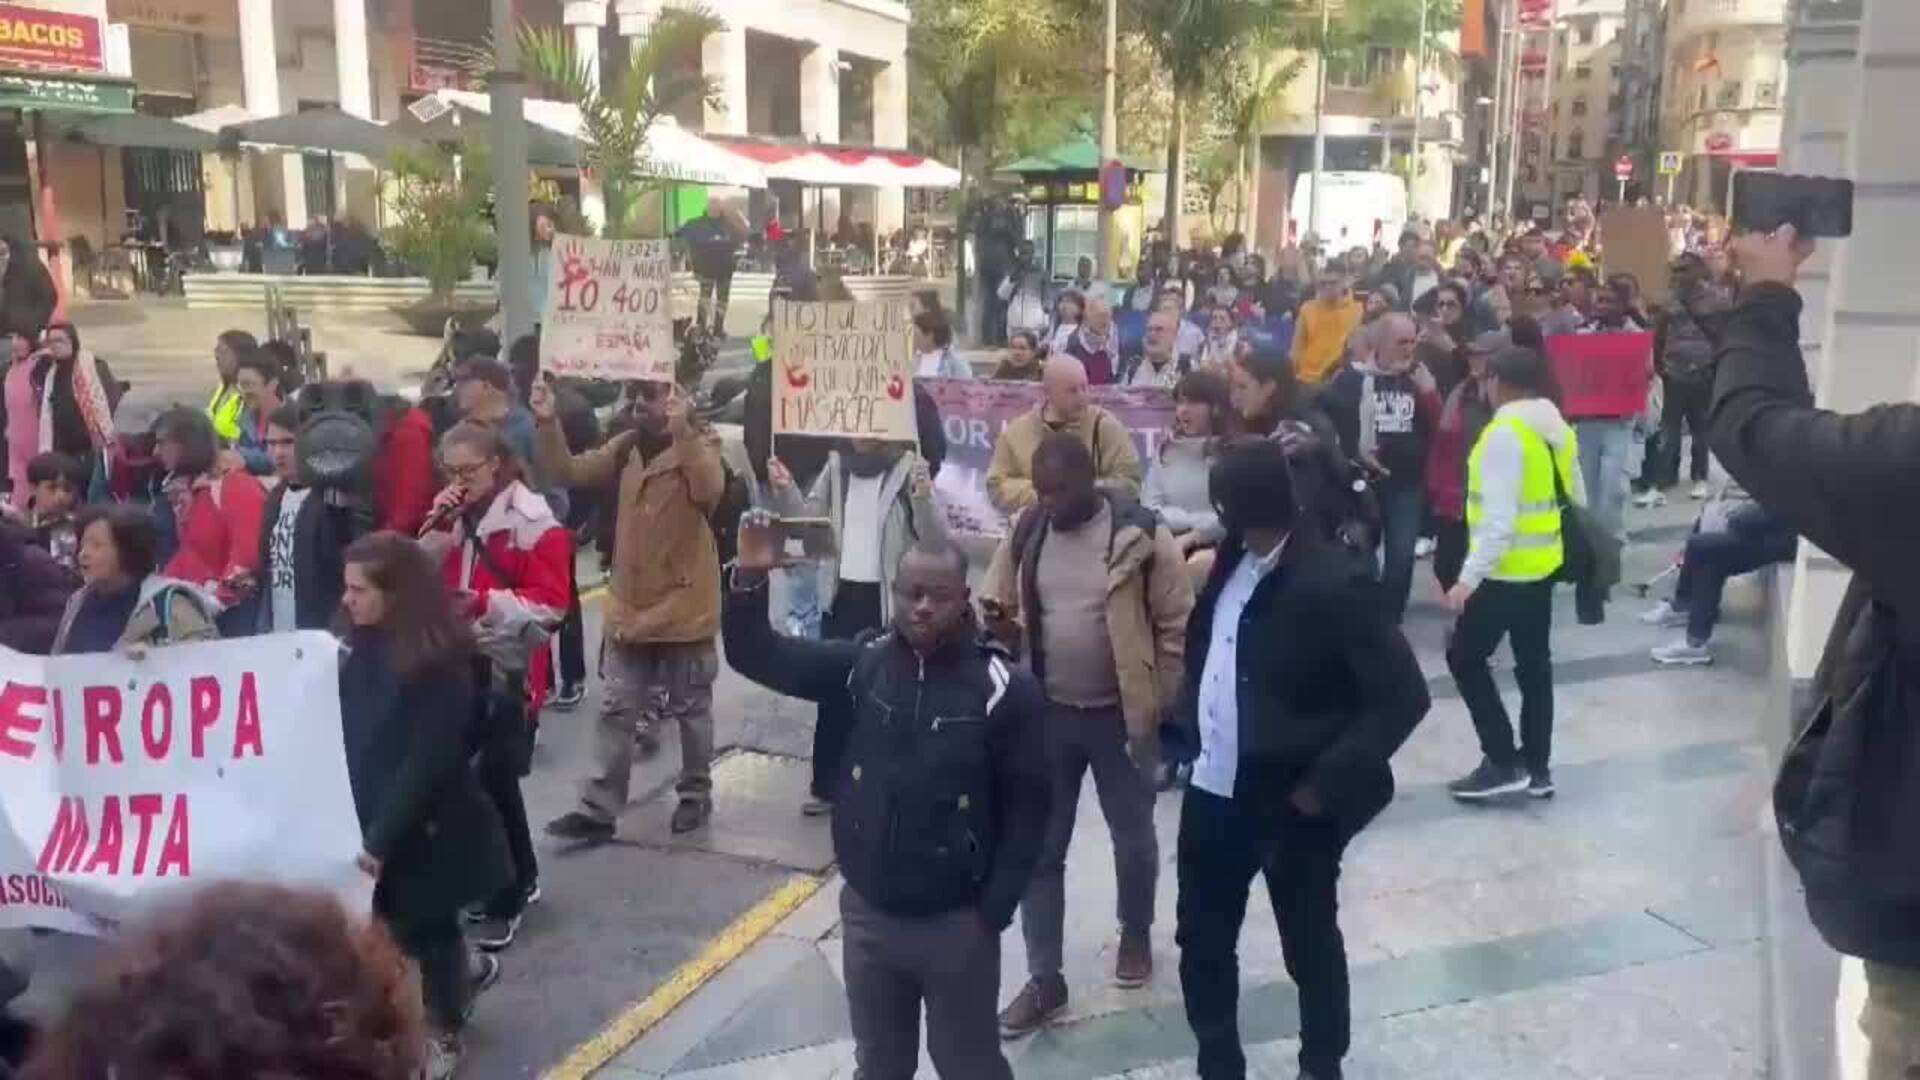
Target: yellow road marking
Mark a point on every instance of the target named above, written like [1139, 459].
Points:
[725, 947]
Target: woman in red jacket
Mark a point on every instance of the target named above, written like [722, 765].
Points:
[505, 555]
[216, 508]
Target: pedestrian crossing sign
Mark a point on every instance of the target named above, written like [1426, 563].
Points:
[1670, 162]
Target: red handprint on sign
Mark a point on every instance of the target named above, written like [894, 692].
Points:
[578, 290]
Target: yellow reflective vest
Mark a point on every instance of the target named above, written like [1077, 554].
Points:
[224, 411]
[1537, 551]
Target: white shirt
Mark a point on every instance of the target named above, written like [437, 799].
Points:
[1219, 757]
[280, 576]
[860, 523]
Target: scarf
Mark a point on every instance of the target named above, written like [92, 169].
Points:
[88, 395]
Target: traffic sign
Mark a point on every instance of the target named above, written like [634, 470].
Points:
[1670, 161]
[1623, 168]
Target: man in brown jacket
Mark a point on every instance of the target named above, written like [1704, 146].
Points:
[1094, 588]
[1066, 408]
[663, 606]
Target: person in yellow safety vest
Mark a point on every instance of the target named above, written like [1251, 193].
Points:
[225, 405]
[1526, 458]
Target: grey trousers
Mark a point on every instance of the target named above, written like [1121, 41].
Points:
[630, 675]
[1891, 1021]
[1079, 740]
[894, 963]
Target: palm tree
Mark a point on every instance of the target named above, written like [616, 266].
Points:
[1195, 41]
[617, 111]
[1244, 101]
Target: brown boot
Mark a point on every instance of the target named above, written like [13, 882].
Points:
[1133, 966]
[1038, 1002]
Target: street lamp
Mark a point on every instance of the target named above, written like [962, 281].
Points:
[508, 89]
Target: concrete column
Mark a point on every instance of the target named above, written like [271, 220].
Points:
[820, 119]
[586, 18]
[890, 130]
[350, 57]
[260, 81]
[723, 57]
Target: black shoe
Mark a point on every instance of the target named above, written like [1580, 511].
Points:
[1488, 781]
[1540, 783]
[496, 933]
[690, 815]
[575, 825]
[568, 699]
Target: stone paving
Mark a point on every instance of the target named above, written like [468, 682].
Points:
[1612, 932]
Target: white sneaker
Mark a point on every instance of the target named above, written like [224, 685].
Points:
[1682, 653]
[1700, 490]
[1664, 614]
[1650, 498]
[1423, 547]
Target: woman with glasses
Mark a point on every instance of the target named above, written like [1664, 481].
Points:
[1445, 331]
[505, 556]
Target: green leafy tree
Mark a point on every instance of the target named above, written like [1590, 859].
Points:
[1245, 99]
[995, 79]
[1195, 41]
[616, 114]
[442, 212]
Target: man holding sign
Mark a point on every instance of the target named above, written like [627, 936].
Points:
[663, 605]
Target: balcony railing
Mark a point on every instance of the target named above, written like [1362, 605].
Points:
[440, 64]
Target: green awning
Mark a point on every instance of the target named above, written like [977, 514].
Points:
[54, 92]
[1079, 155]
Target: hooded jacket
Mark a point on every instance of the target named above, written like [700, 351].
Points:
[1148, 599]
[904, 521]
[514, 559]
[1500, 475]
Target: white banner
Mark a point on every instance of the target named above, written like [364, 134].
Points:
[609, 310]
[124, 780]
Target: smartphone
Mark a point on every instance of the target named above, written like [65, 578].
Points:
[805, 537]
[1814, 205]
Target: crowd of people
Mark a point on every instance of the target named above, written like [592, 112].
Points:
[1225, 616]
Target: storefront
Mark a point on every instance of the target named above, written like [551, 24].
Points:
[53, 63]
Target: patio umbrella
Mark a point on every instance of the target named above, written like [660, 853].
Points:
[137, 130]
[328, 131]
[437, 119]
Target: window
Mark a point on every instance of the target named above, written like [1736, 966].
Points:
[1384, 61]
[1344, 72]
[1583, 72]
[1728, 96]
[1575, 148]
[1766, 95]
[1579, 107]
[1585, 34]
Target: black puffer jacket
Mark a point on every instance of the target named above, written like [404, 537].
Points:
[941, 799]
[1847, 800]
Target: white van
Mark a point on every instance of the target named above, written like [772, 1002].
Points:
[1355, 208]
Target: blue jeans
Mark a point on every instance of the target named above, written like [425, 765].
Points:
[802, 615]
[1401, 515]
[1604, 446]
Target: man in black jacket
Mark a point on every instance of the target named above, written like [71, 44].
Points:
[1848, 797]
[941, 800]
[1299, 691]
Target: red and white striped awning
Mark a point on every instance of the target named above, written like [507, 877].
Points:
[841, 166]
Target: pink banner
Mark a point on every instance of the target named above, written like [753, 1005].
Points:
[1602, 374]
[974, 412]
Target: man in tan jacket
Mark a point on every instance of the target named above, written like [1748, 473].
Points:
[1092, 588]
[1066, 408]
[663, 605]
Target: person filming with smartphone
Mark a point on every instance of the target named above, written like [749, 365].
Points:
[1847, 800]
